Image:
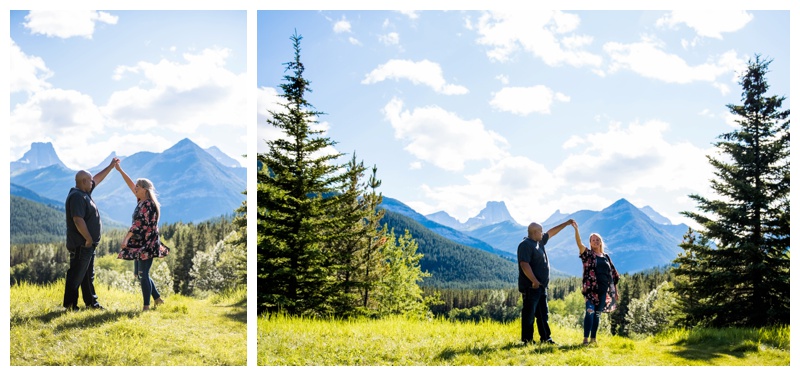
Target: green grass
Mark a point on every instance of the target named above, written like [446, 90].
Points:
[396, 341]
[184, 331]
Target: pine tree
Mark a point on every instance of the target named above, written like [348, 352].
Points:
[294, 186]
[399, 292]
[369, 267]
[349, 240]
[737, 267]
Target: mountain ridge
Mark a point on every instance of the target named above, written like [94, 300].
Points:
[192, 184]
[494, 212]
[637, 239]
[41, 154]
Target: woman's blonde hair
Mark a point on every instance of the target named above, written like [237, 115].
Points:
[147, 185]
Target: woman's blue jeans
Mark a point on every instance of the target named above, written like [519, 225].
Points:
[142, 270]
[591, 321]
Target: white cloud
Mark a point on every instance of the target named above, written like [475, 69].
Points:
[520, 182]
[411, 14]
[443, 139]
[270, 100]
[390, 39]
[68, 116]
[707, 113]
[542, 33]
[648, 59]
[732, 119]
[416, 165]
[503, 79]
[526, 100]
[635, 162]
[67, 23]
[28, 73]
[707, 23]
[626, 160]
[424, 72]
[342, 26]
[354, 41]
[181, 96]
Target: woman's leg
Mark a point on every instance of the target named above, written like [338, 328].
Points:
[144, 278]
[603, 288]
[588, 320]
[595, 325]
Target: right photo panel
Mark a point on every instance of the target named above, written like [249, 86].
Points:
[523, 188]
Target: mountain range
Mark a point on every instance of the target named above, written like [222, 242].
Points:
[193, 184]
[637, 239]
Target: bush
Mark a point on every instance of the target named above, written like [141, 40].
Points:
[652, 314]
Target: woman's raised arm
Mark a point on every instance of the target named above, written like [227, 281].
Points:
[581, 247]
[125, 176]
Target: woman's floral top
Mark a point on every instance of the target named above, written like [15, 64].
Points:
[144, 242]
[590, 286]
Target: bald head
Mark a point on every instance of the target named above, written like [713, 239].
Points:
[83, 180]
[535, 231]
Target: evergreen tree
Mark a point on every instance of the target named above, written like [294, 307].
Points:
[737, 267]
[299, 197]
[399, 292]
[370, 260]
[349, 240]
[239, 242]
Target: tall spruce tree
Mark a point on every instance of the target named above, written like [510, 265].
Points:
[735, 271]
[298, 186]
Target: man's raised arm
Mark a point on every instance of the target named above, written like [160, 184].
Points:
[555, 230]
[102, 174]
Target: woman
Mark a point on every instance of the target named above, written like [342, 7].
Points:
[142, 243]
[599, 286]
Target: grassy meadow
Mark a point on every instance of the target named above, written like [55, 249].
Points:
[184, 331]
[397, 341]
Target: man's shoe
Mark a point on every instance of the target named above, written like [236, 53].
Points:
[550, 342]
[71, 309]
[97, 306]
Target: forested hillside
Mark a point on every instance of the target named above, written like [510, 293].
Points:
[453, 265]
[32, 222]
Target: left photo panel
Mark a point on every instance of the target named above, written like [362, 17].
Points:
[128, 141]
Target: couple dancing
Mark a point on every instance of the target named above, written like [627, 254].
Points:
[141, 244]
[599, 285]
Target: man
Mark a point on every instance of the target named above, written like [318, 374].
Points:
[534, 275]
[83, 235]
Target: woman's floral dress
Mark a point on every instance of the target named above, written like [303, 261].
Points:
[590, 286]
[144, 242]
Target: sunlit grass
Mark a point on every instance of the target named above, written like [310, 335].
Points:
[184, 331]
[286, 340]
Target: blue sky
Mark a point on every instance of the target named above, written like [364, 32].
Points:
[562, 110]
[127, 81]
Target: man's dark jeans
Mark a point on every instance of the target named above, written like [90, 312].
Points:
[80, 273]
[534, 308]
